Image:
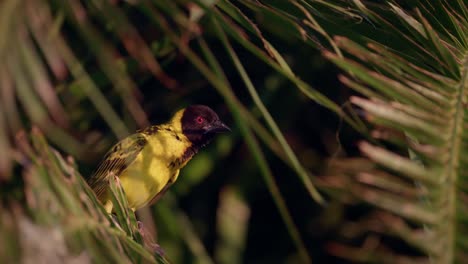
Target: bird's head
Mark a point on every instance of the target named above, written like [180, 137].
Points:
[200, 124]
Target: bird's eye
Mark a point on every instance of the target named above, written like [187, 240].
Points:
[200, 120]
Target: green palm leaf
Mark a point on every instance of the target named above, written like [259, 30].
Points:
[416, 100]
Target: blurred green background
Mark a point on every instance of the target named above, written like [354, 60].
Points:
[292, 183]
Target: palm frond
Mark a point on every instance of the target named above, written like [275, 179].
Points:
[416, 101]
[62, 219]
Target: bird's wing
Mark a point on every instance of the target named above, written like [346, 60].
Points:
[117, 159]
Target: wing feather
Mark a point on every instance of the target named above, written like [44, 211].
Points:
[117, 159]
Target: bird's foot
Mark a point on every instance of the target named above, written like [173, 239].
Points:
[149, 240]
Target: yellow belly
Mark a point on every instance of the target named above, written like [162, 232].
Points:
[144, 180]
[152, 170]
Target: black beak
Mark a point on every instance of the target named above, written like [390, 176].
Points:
[217, 127]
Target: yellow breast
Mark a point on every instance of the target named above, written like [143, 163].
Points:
[156, 166]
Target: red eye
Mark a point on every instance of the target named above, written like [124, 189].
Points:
[200, 120]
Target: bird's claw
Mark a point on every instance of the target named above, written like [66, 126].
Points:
[149, 241]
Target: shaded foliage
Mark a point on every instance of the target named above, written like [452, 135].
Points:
[88, 72]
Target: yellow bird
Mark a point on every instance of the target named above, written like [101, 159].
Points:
[149, 161]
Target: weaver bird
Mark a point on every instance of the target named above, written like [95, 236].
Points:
[149, 161]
